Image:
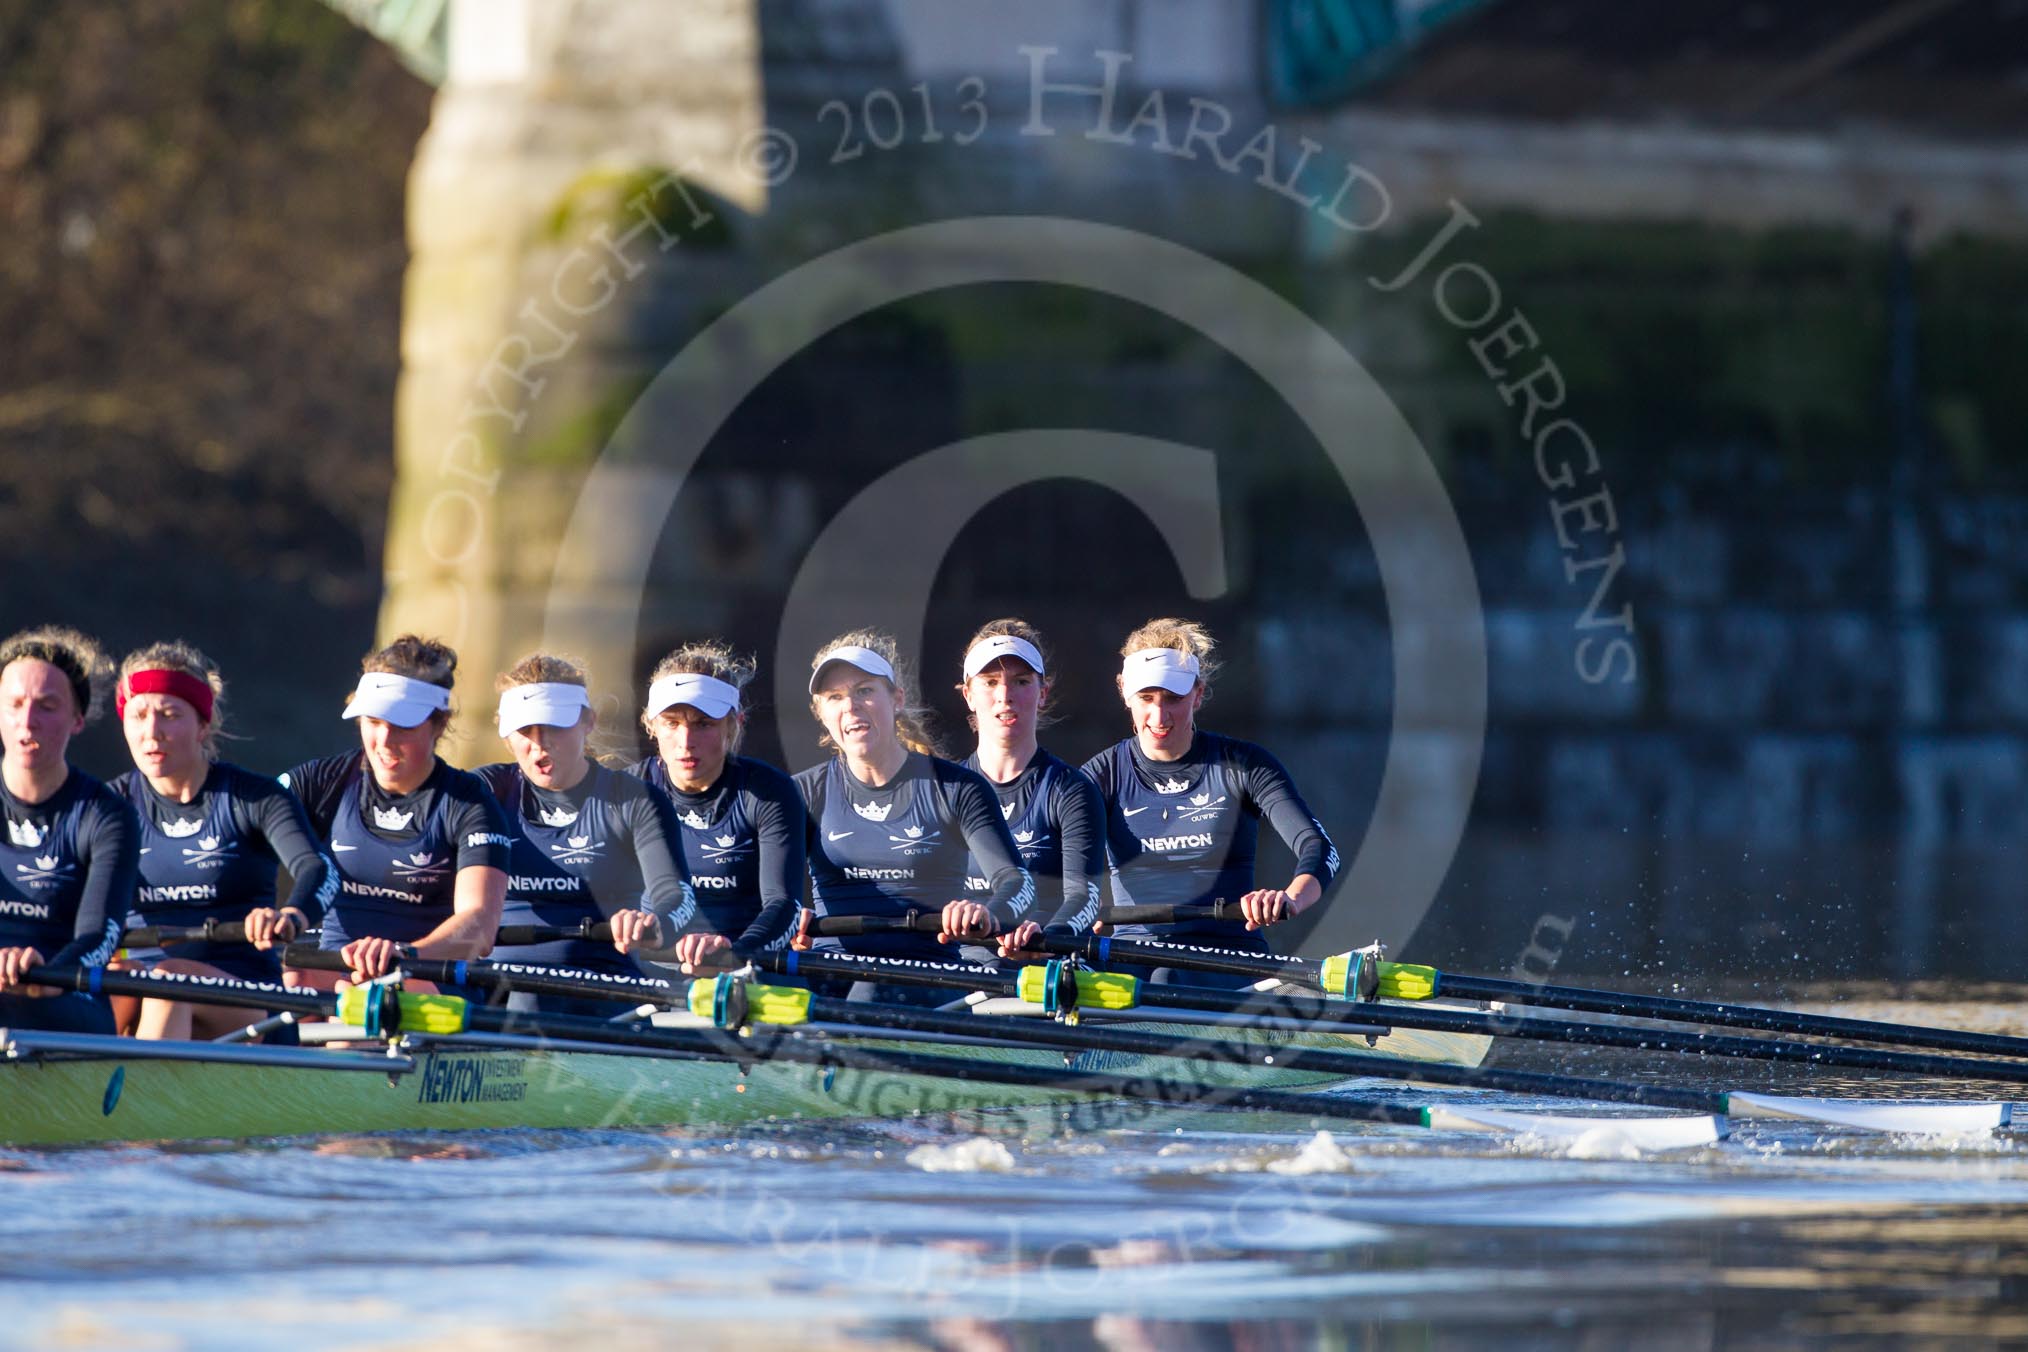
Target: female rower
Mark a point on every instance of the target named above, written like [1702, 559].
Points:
[1183, 806]
[68, 859]
[742, 820]
[590, 844]
[890, 822]
[421, 848]
[211, 836]
[1051, 807]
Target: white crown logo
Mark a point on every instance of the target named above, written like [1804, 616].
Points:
[45, 861]
[1200, 799]
[1024, 836]
[913, 832]
[874, 812]
[695, 820]
[26, 835]
[208, 843]
[176, 830]
[392, 818]
[557, 816]
[724, 842]
[578, 842]
[421, 859]
[1172, 785]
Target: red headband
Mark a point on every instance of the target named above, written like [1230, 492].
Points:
[178, 683]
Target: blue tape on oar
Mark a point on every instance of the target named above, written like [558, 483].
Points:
[95, 982]
[789, 963]
[459, 971]
[1105, 949]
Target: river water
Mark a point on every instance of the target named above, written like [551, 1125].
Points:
[993, 1230]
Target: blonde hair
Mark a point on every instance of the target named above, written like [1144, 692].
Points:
[428, 660]
[1185, 636]
[539, 669]
[1015, 627]
[714, 658]
[176, 655]
[78, 656]
[911, 721]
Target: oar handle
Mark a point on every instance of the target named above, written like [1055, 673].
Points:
[932, 922]
[814, 926]
[310, 958]
[1218, 908]
[161, 936]
[517, 936]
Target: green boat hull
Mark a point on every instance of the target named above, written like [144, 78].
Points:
[61, 1099]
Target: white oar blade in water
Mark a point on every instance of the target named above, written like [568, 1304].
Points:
[1645, 1133]
[1903, 1117]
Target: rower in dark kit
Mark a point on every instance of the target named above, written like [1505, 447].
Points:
[591, 844]
[212, 836]
[1051, 807]
[741, 821]
[1183, 806]
[421, 847]
[891, 822]
[67, 860]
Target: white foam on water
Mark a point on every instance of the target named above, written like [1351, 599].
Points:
[1319, 1155]
[975, 1155]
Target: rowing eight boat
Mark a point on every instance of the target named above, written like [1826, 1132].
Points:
[72, 1088]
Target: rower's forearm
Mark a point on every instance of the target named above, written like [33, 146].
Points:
[1304, 891]
[460, 938]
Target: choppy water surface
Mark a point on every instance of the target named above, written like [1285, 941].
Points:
[993, 1230]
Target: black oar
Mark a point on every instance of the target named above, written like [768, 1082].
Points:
[1042, 1033]
[1289, 1009]
[1354, 975]
[163, 936]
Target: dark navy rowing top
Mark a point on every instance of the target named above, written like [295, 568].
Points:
[607, 844]
[744, 846]
[903, 847]
[1058, 824]
[67, 868]
[215, 856]
[397, 857]
[1186, 831]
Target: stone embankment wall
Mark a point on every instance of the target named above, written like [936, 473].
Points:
[1752, 709]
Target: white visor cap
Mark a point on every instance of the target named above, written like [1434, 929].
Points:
[852, 654]
[1165, 667]
[396, 699]
[707, 694]
[552, 704]
[987, 651]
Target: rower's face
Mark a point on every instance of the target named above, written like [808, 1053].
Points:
[552, 758]
[401, 758]
[857, 709]
[1006, 699]
[693, 746]
[38, 713]
[164, 734]
[1163, 720]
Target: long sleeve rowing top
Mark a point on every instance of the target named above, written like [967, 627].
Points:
[744, 844]
[67, 871]
[1056, 817]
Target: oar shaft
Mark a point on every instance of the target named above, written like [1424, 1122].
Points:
[1322, 1012]
[1283, 1055]
[201, 990]
[1729, 1015]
